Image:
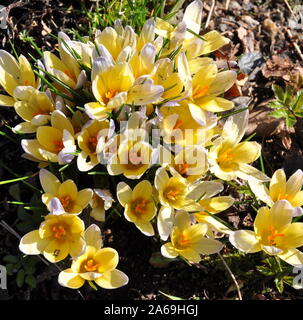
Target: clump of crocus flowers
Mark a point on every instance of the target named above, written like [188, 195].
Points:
[145, 112]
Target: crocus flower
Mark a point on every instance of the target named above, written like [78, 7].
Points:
[63, 197]
[229, 158]
[95, 264]
[34, 107]
[273, 233]
[53, 143]
[14, 73]
[189, 240]
[280, 189]
[139, 205]
[57, 237]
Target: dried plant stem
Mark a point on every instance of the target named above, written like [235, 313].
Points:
[232, 276]
[227, 4]
[210, 13]
[294, 43]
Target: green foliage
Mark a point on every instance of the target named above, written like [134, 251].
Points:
[23, 268]
[288, 104]
[275, 270]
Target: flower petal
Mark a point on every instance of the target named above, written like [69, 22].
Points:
[68, 278]
[245, 240]
[112, 279]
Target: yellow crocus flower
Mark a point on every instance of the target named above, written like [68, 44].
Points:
[57, 237]
[53, 143]
[229, 158]
[273, 233]
[63, 197]
[95, 264]
[34, 107]
[88, 140]
[190, 163]
[280, 189]
[14, 73]
[139, 205]
[204, 88]
[179, 126]
[189, 240]
[116, 39]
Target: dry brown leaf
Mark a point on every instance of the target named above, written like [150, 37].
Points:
[278, 67]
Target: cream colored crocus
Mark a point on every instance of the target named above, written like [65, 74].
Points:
[273, 233]
[95, 264]
[132, 159]
[63, 197]
[66, 68]
[190, 163]
[53, 143]
[88, 140]
[14, 73]
[206, 193]
[174, 192]
[205, 87]
[58, 236]
[281, 189]
[139, 204]
[100, 202]
[179, 126]
[34, 107]
[114, 84]
[229, 158]
[188, 240]
[116, 39]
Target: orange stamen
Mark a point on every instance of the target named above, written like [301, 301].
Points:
[65, 201]
[178, 124]
[140, 206]
[58, 145]
[182, 168]
[274, 234]
[172, 194]
[200, 91]
[91, 265]
[26, 82]
[58, 232]
[109, 95]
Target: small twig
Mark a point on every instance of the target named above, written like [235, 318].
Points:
[210, 13]
[227, 4]
[295, 44]
[289, 7]
[232, 276]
